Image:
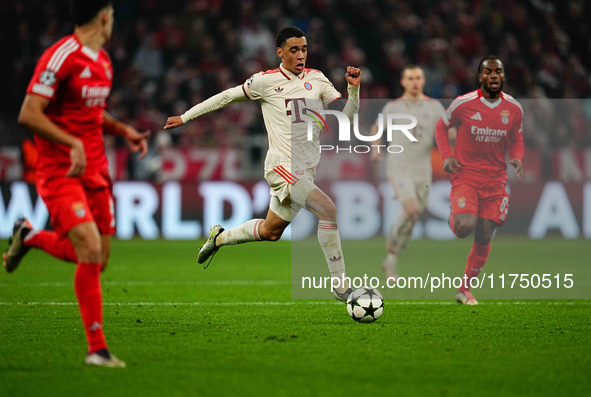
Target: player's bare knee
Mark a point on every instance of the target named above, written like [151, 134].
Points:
[271, 235]
[463, 230]
[88, 249]
[412, 217]
[412, 209]
[90, 253]
[464, 226]
[462, 233]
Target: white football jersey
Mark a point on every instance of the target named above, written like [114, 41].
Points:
[415, 160]
[284, 96]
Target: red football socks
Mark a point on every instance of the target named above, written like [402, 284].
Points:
[51, 243]
[87, 285]
[475, 263]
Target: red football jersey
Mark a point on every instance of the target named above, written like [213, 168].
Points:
[77, 80]
[485, 131]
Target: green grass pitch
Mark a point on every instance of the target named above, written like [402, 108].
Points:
[233, 329]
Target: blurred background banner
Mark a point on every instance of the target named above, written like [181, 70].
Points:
[168, 56]
[179, 210]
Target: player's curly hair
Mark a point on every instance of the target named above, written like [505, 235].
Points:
[489, 58]
[287, 33]
[83, 11]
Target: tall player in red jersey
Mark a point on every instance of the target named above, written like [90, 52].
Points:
[488, 122]
[64, 107]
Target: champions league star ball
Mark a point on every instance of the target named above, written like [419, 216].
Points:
[365, 305]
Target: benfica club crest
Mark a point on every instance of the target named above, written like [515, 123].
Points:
[462, 202]
[108, 71]
[505, 116]
[78, 208]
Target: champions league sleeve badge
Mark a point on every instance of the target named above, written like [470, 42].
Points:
[47, 78]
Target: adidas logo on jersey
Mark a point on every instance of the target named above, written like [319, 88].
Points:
[476, 116]
[85, 73]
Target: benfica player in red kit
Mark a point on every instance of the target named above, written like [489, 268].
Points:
[64, 107]
[488, 122]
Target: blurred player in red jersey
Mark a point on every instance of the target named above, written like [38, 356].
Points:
[488, 122]
[64, 107]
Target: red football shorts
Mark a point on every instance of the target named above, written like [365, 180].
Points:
[487, 201]
[73, 201]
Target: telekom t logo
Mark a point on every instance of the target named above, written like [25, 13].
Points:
[296, 108]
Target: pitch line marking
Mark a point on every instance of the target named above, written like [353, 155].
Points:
[289, 303]
[148, 283]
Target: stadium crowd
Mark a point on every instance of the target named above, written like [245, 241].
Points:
[170, 55]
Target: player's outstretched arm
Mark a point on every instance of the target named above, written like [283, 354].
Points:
[138, 141]
[353, 77]
[218, 101]
[33, 117]
[173, 122]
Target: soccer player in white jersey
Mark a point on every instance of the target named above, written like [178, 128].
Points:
[291, 160]
[409, 172]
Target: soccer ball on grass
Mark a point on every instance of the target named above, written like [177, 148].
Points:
[365, 305]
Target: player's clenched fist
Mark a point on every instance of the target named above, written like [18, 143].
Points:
[353, 75]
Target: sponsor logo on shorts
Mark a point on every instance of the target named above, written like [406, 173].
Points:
[78, 208]
[462, 202]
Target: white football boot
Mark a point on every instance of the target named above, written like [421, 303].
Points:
[466, 298]
[209, 248]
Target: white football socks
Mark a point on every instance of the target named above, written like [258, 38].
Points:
[400, 233]
[248, 231]
[390, 263]
[330, 242]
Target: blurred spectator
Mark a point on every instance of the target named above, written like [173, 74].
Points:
[173, 54]
[148, 59]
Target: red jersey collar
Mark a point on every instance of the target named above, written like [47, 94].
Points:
[480, 94]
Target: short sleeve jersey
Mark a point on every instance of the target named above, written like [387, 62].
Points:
[284, 99]
[77, 81]
[415, 159]
[486, 130]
